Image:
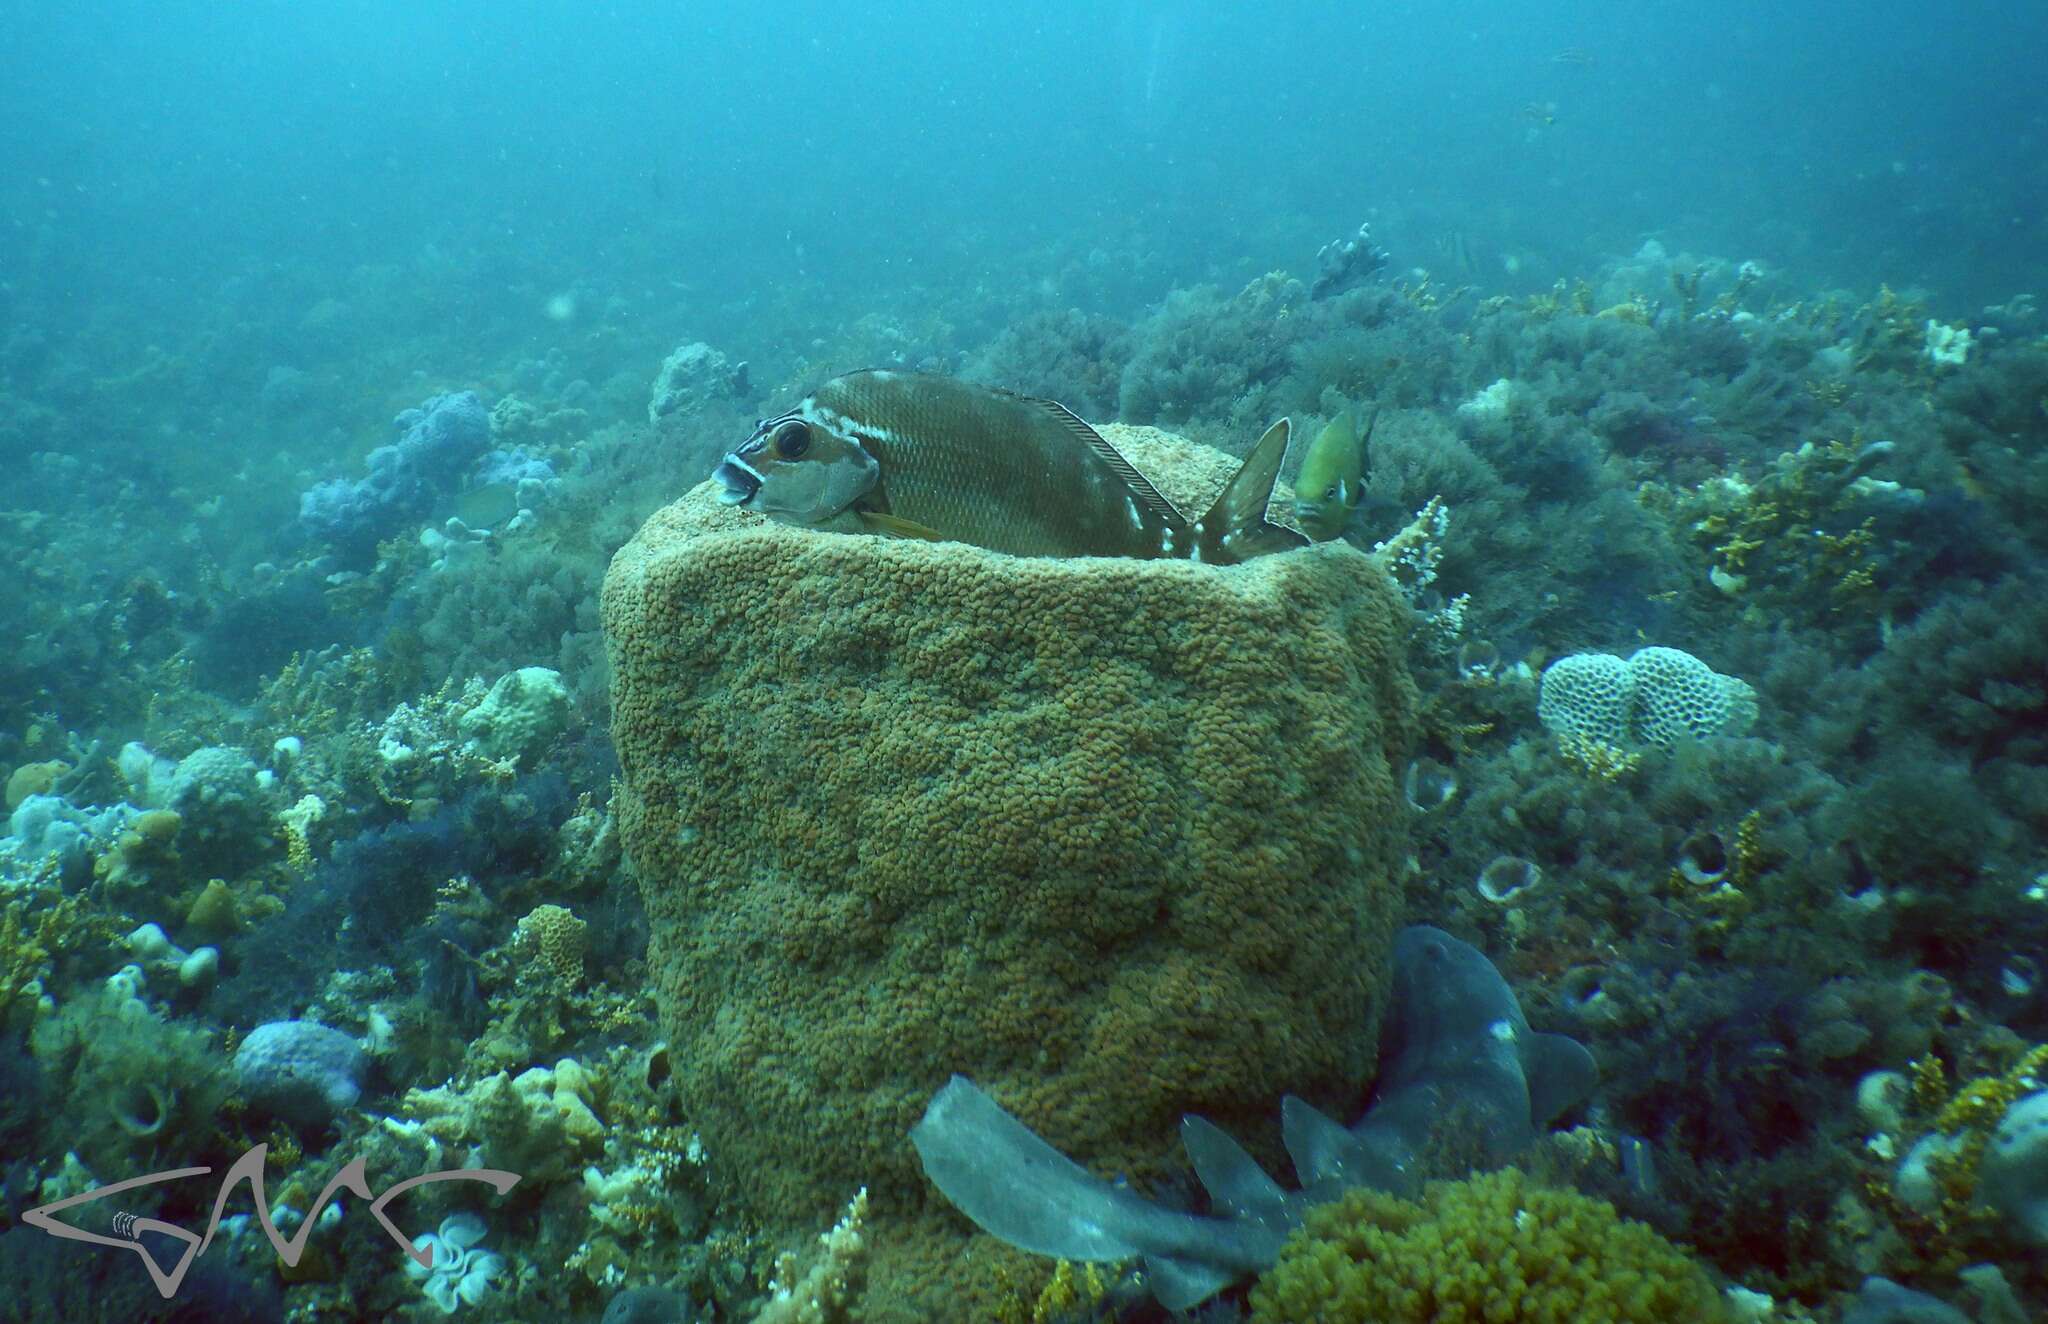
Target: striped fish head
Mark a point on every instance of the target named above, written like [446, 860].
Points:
[796, 471]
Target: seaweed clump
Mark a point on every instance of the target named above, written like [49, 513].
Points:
[1492, 1248]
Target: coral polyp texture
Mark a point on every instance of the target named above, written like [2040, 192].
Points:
[1116, 838]
[1659, 696]
[1495, 1248]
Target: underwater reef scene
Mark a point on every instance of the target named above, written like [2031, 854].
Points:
[708, 692]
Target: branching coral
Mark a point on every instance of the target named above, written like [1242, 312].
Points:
[1935, 1194]
[36, 930]
[826, 1291]
[1493, 1248]
[1799, 536]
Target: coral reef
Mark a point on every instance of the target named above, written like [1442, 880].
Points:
[436, 441]
[518, 717]
[691, 376]
[280, 747]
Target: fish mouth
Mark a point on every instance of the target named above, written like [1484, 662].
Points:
[1307, 510]
[740, 482]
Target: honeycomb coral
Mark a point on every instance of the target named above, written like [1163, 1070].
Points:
[1494, 1249]
[1659, 697]
[1677, 695]
[1116, 838]
[1587, 695]
[552, 939]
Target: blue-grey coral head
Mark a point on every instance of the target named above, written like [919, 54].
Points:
[1456, 1046]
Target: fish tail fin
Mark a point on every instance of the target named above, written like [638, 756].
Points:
[1236, 528]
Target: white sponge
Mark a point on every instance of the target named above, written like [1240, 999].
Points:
[1587, 695]
[1658, 697]
[2012, 1178]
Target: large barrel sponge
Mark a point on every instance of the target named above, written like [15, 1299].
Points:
[1115, 838]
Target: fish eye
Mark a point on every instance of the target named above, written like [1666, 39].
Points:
[1332, 492]
[792, 439]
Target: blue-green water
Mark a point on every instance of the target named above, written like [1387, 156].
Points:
[1713, 330]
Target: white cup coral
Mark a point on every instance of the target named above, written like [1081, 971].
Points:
[463, 1272]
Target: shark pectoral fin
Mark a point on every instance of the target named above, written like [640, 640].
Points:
[1015, 1186]
[1561, 1073]
[897, 527]
[1181, 1283]
[1236, 528]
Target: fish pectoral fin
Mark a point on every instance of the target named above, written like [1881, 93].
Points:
[1236, 528]
[1141, 487]
[897, 527]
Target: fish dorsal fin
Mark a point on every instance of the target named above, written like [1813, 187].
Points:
[1233, 1178]
[1141, 486]
[1236, 528]
[1318, 1145]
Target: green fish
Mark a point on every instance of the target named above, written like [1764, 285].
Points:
[1332, 478]
[931, 457]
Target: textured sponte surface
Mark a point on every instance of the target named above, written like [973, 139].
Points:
[1116, 838]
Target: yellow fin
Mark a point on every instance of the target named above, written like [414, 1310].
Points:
[896, 527]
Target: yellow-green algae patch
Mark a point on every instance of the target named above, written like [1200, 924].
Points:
[1115, 838]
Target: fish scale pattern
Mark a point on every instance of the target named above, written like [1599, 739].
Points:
[1117, 838]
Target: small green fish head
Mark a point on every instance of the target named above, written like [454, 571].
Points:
[796, 471]
[1332, 479]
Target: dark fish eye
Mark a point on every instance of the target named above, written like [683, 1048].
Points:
[792, 439]
[1330, 493]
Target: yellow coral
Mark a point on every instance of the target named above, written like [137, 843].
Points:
[1595, 758]
[1773, 533]
[552, 940]
[34, 779]
[1747, 861]
[298, 822]
[35, 930]
[1493, 1248]
[1069, 1290]
[827, 1289]
[1974, 1109]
